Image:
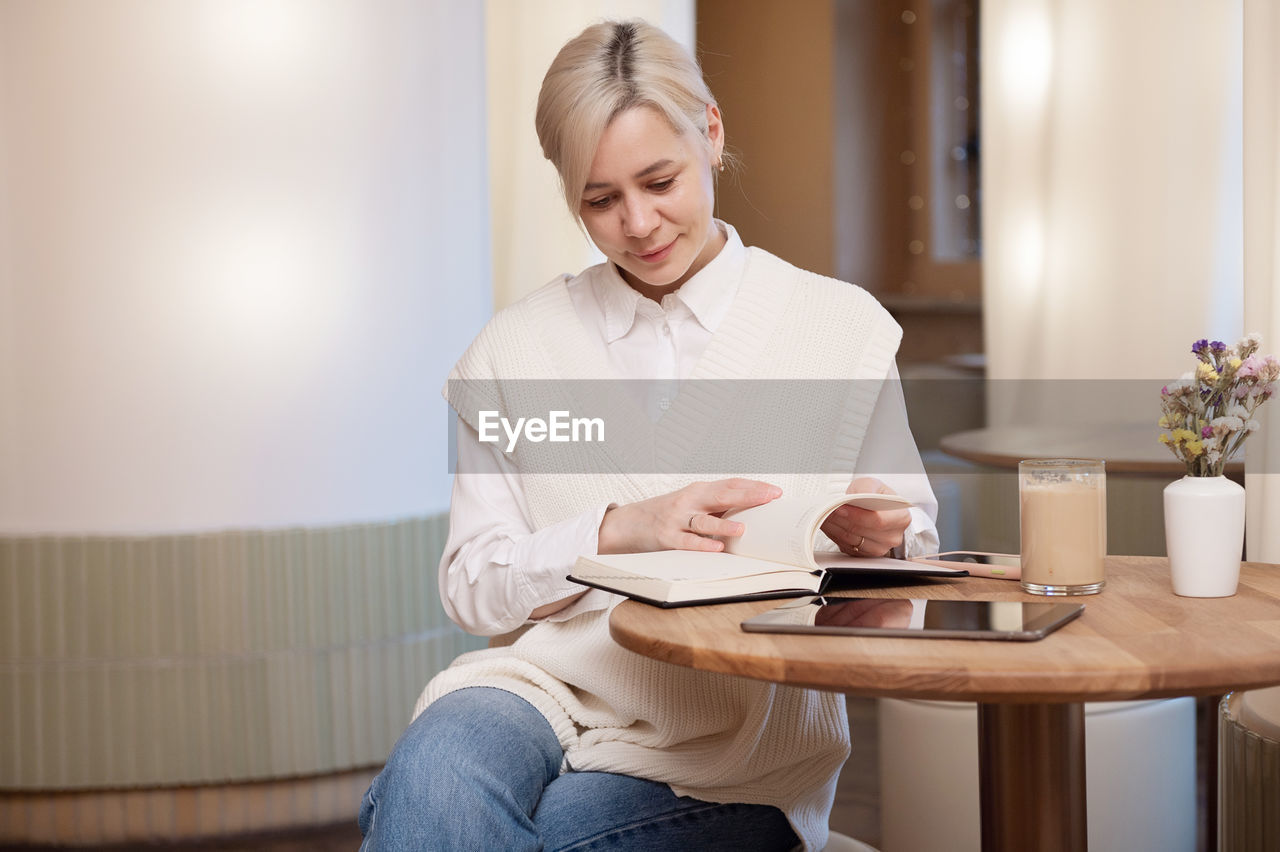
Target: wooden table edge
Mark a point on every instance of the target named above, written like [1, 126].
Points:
[1125, 679]
[958, 445]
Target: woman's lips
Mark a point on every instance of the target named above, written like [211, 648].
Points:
[658, 255]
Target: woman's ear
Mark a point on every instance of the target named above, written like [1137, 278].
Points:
[715, 133]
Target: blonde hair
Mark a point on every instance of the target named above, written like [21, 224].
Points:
[609, 68]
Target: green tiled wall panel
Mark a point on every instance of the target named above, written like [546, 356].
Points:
[217, 657]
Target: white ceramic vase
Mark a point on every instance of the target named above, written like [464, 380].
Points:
[1204, 535]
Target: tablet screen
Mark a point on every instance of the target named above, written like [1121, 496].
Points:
[971, 557]
[915, 617]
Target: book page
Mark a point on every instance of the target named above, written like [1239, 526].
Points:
[784, 529]
[675, 566]
[834, 561]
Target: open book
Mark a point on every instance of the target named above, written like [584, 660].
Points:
[773, 558]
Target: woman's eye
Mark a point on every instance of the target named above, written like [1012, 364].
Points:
[599, 203]
[662, 185]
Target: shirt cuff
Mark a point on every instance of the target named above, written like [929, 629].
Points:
[551, 554]
[920, 537]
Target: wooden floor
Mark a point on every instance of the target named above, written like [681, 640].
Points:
[338, 838]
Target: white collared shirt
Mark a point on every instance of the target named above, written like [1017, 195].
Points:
[496, 568]
[659, 343]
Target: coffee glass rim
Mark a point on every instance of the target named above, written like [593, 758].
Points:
[1062, 463]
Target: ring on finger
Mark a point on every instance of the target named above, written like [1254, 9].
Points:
[691, 517]
[857, 548]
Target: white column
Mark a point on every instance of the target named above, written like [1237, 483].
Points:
[242, 243]
[1262, 259]
[1112, 195]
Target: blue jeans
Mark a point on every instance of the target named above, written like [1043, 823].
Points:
[479, 771]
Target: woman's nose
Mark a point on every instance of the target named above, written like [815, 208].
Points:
[639, 218]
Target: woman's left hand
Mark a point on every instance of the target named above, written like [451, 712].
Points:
[862, 532]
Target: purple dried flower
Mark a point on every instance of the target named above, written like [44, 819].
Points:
[1222, 394]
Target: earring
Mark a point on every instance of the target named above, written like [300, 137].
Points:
[720, 165]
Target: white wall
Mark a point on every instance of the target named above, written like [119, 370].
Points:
[8, 353]
[246, 240]
[1262, 259]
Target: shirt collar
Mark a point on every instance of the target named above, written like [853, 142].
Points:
[710, 292]
[619, 303]
[707, 295]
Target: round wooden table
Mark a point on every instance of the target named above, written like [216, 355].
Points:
[1135, 640]
[1130, 448]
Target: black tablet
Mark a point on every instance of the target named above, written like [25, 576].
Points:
[916, 617]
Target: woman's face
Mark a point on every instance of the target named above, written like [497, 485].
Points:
[648, 200]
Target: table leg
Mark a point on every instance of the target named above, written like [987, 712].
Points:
[1207, 771]
[1031, 774]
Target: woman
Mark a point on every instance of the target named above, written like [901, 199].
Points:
[562, 739]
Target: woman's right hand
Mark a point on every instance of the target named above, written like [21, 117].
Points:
[688, 519]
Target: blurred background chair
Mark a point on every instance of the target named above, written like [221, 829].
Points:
[1139, 763]
[1249, 771]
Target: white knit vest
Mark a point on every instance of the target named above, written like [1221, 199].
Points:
[713, 737]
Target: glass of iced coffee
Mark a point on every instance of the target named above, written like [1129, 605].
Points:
[1063, 513]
